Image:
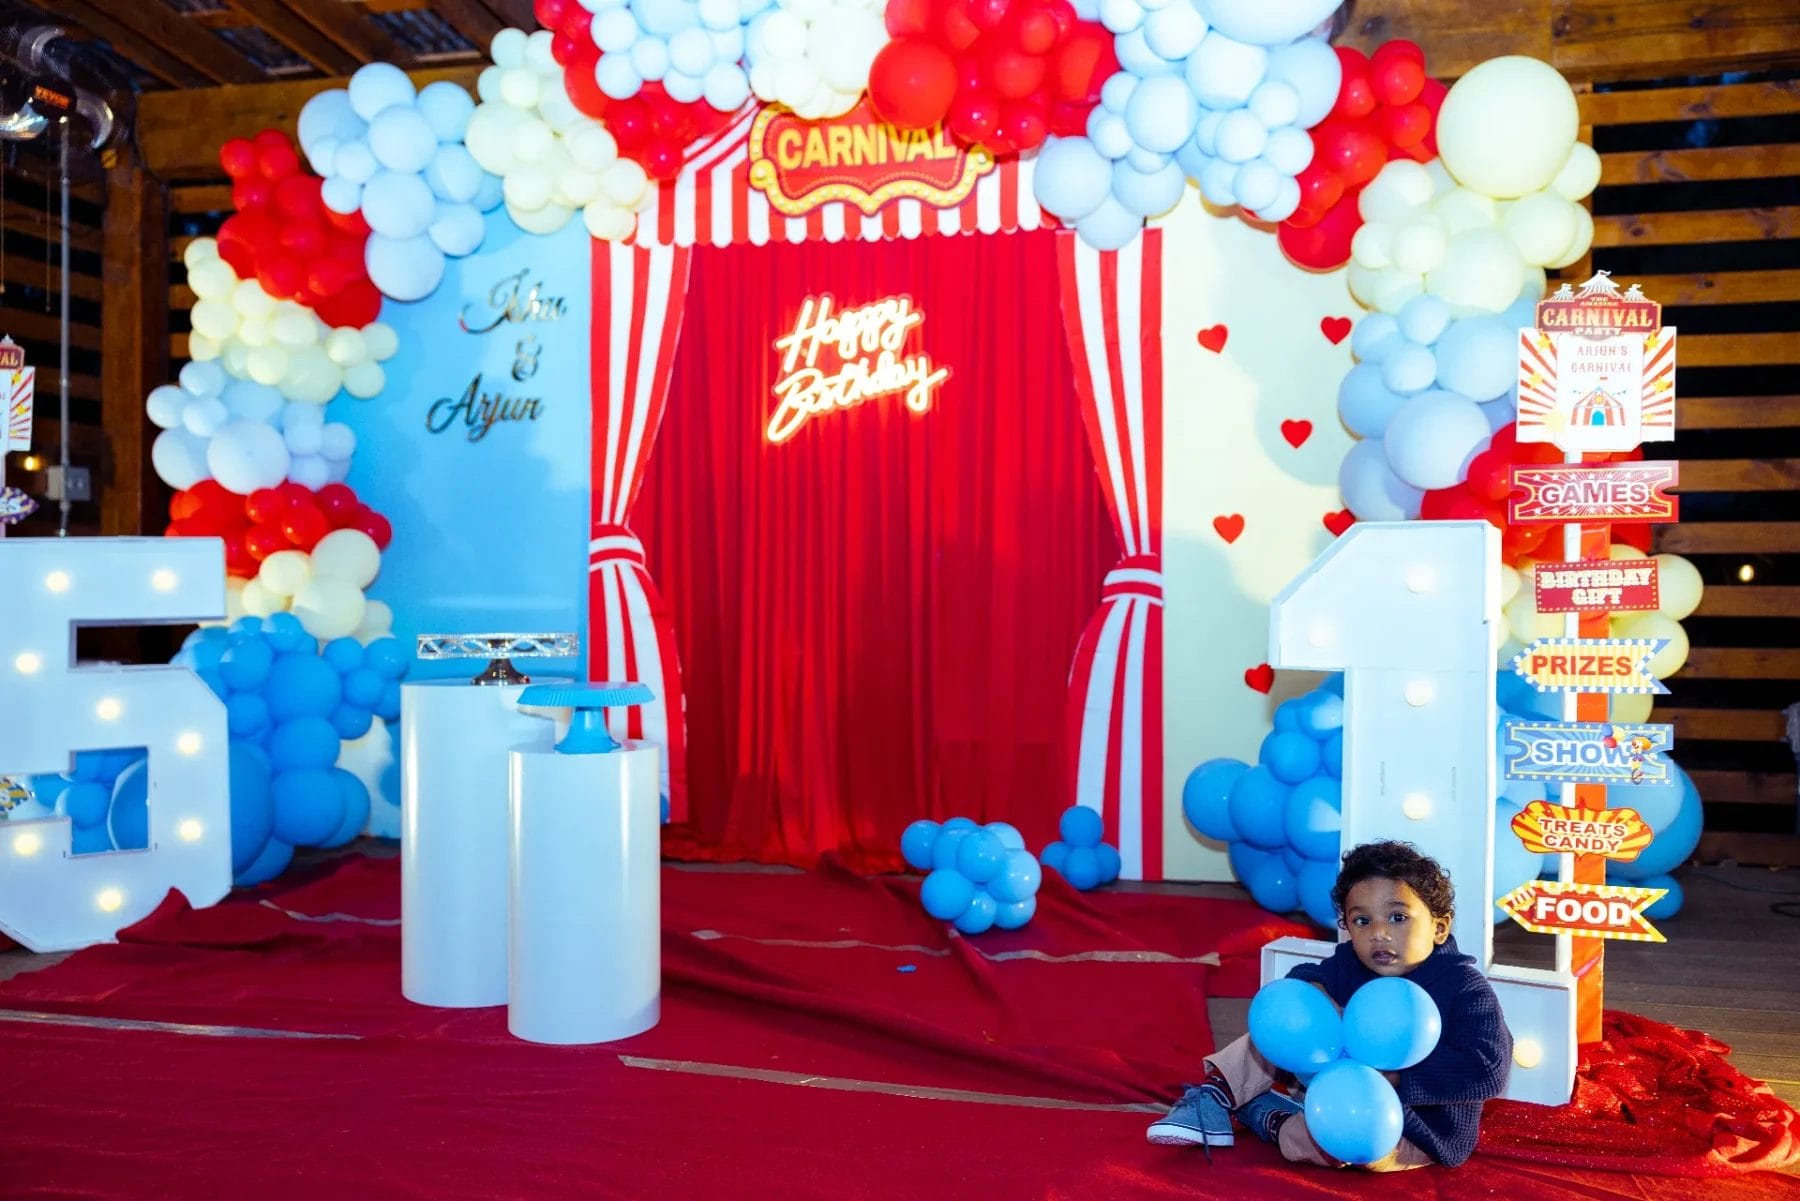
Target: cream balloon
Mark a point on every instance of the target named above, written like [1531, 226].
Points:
[1580, 173]
[1670, 659]
[1631, 708]
[348, 555]
[1510, 583]
[258, 601]
[1579, 244]
[285, 572]
[1481, 272]
[1542, 226]
[1678, 586]
[1506, 128]
[377, 622]
[1526, 622]
[329, 608]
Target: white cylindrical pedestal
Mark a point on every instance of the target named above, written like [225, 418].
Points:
[454, 738]
[585, 958]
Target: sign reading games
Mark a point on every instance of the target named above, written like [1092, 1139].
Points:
[857, 159]
[838, 360]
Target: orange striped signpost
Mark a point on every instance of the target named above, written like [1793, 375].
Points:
[1596, 374]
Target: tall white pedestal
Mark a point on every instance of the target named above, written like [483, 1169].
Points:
[454, 739]
[585, 962]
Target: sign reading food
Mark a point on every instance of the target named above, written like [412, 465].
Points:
[1593, 910]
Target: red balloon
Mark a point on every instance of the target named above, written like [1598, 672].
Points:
[1356, 97]
[909, 18]
[1320, 189]
[1038, 31]
[1022, 127]
[338, 503]
[1083, 62]
[630, 128]
[1635, 534]
[376, 527]
[974, 117]
[275, 155]
[304, 527]
[988, 14]
[1406, 125]
[1325, 245]
[1353, 149]
[239, 562]
[184, 504]
[282, 278]
[1396, 75]
[959, 29]
[911, 83]
[354, 305]
[1490, 476]
[295, 496]
[251, 193]
[238, 157]
[261, 541]
[1451, 504]
[265, 506]
[662, 160]
[550, 13]
[1015, 74]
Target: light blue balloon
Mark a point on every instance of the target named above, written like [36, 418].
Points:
[1323, 715]
[1258, 803]
[980, 856]
[90, 840]
[1222, 72]
[1502, 412]
[343, 654]
[943, 851]
[285, 633]
[1081, 868]
[1391, 1024]
[916, 843]
[356, 809]
[1676, 828]
[1010, 915]
[1110, 863]
[1290, 756]
[1287, 715]
[362, 687]
[1109, 227]
[1262, 23]
[961, 823]
[1331, 754]
[405, 269]
[1312, 69]
[1053, 854]
[1365, 402]
[446, 108]
[1115, 93]
[246, 715]
[1432, 437]
[617, 77]
[309, 806]
[252, 806]
[1147, 162]
[979, 917]
[1161, 113]
[270, 862]
[1148, 195]
[1424, 318]
[129, 819]
[1081, 826]
[402, 139]
[1313, 818]
[1111, 140]
[1258, 185]
[456, 229]
[1316, 881]
[1008, 834]
[1371, 489]
[303, 742]
[665, 18]
[1134, 54]
[1375, 337]
[351, 722]
[301, 684]
[387, 657]
[244, 666]
[1288, 150]
[85, 803]
[1479, 357]
[398, 204]
[1205, 797]
[1019, 878]
[682, 87]
[1353, 1113]
[946, 893]
[1295, 1026]
[1274, 885]
[1667, 905]
[1409, 369]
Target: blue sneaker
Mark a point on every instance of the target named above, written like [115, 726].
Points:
[1263, 1114]
[1200, 1119]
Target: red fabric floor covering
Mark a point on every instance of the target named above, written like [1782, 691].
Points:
[443, 1104]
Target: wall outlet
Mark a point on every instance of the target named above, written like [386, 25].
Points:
[68, 483]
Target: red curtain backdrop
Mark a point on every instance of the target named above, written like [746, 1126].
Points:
[876, 617]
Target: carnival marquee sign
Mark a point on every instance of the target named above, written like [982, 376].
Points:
[1598, 372]
[857, 159]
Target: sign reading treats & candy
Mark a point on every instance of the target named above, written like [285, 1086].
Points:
[856, 158]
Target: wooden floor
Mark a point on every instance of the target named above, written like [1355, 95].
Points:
[1731, 966]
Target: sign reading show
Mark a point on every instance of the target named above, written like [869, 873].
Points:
[838, 359]
[857, 159]
[1585, 752]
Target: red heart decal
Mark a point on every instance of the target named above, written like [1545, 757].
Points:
[1335, 329]
[1339, 521]
[1261, 677]
[1213, 337]
[1296, 432]
[1229, 526]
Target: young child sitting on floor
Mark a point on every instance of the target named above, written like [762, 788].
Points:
[1395, 904]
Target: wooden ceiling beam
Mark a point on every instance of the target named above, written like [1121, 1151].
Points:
[165, 67]
[280, 22]
[180, 132]
[159, 26]
[470, 19]
[351, 28]
[515, 13]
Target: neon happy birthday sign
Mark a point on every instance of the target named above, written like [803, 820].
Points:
[866, 343]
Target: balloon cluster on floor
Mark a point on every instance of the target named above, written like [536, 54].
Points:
[1389, 1025]
[1080, 856]
[980, 877]
[290, 704]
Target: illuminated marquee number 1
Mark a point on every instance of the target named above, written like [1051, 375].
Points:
[49, 708]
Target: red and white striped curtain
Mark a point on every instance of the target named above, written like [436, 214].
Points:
[1112, 314]
[639, 293]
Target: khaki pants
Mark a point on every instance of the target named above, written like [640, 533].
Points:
[1248, 1074]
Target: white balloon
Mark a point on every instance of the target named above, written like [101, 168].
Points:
[381, 341]
[378, 86]
[1580, 173]
[456, 229]
[309, 471]
[608, 223]
[398, 205]
[404, 268]
[401, 139]
[508, 48]
[204, 416]
[365, 380]
[247, 455]
[447, 108]
[204, 379]
[337, 442]
[179, 457]
[165, 405]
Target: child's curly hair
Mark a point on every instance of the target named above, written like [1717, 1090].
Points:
[1400, 861]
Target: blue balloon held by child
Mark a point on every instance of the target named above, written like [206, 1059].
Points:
[1391, 1024]
[1295, 1026]
[1353, 1113]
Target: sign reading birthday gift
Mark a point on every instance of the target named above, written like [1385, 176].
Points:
[1611, 665]
[1592, 910]
[856, 158]
[1579, 752]
[1597, 586]
[837, 358]
[1545, 828]
[1598, 372]
[1596, 492]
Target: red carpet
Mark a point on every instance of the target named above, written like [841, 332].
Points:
[442, 1104]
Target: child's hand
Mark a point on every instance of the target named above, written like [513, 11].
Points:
[1392, 1078]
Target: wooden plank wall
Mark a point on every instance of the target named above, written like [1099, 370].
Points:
[30, 312]
[1699, 204]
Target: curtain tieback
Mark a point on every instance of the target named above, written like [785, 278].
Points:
[1135, 575]
[614, 544]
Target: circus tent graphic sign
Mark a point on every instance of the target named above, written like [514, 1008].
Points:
[1598, 371]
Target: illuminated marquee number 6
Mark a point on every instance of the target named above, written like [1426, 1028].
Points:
[49, 708]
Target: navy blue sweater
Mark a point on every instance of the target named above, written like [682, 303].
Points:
[1442, 1094]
